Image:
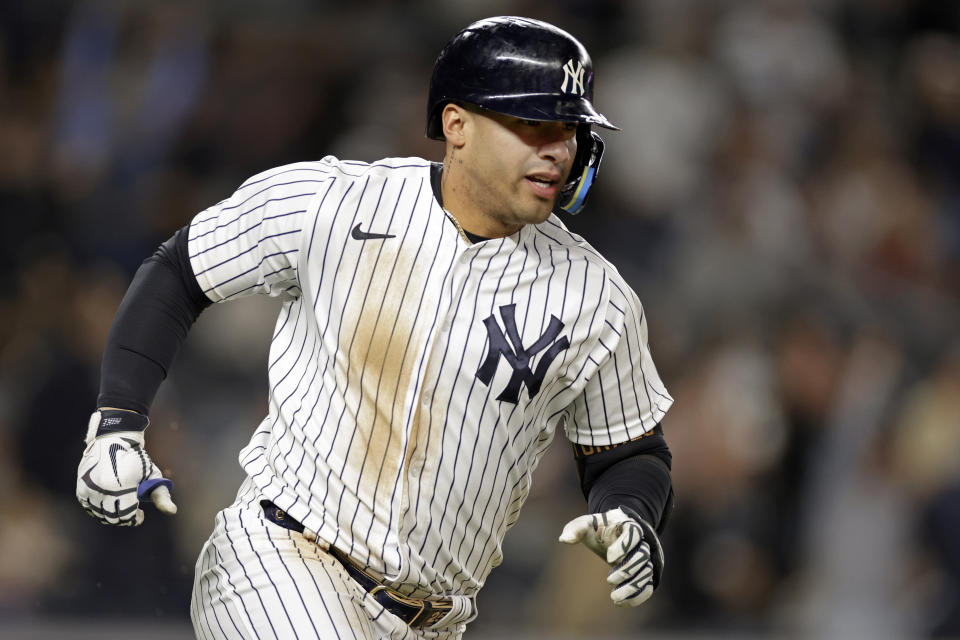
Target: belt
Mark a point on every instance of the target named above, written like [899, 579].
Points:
[416, 613]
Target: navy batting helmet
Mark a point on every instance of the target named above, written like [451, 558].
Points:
[527, 69]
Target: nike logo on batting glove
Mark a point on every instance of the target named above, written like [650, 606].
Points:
[628, 544]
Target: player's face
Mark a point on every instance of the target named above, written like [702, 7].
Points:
[518, 166]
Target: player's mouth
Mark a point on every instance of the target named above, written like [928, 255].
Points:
[544, 185]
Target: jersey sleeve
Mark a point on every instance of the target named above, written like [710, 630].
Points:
[624, 397]
[251, 242]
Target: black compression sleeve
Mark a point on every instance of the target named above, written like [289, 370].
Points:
[641, 483]
[158, 309]
[634, 474]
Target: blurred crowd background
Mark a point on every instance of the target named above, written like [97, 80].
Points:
[784, 197]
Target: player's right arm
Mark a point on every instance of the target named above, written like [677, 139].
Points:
[247, 244]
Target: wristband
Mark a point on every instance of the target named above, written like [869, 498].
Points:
[104, 421]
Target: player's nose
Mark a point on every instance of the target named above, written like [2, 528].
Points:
[557, 151]
[558, 145]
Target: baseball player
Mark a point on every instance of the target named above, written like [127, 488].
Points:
[439, 324]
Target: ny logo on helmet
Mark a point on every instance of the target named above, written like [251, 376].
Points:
[574, 75]
[517, 356]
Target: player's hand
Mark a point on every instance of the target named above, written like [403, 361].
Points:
[628, 544]
[115, 472]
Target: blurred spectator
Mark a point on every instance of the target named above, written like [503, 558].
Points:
[925, 445]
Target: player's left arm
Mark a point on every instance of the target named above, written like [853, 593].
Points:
[622, 456]
[629, 496]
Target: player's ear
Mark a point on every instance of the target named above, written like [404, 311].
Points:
[454, 119]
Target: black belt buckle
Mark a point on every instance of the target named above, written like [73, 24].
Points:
[416, 613]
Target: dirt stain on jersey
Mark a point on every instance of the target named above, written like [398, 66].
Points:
[426, 436]
[381, 360]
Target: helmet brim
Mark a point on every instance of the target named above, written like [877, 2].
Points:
[544, 107]
[547, 107]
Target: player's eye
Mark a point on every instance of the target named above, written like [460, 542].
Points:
[530, 123]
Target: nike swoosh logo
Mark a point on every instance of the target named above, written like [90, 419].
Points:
[364, 235]
[114, 450]
[88, 480]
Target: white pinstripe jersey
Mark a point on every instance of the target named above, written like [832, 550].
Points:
[416, 380]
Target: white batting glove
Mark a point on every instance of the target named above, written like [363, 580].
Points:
[628, 544]
[115, 472]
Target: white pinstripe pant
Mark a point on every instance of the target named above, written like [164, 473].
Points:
[255, 580]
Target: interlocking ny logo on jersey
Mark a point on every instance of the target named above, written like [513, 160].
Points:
[518, 356]
[575, 76]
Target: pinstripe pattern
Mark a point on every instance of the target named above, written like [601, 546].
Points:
[257, 580]
[380, 435]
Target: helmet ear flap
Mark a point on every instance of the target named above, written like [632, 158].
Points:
[583, 173]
